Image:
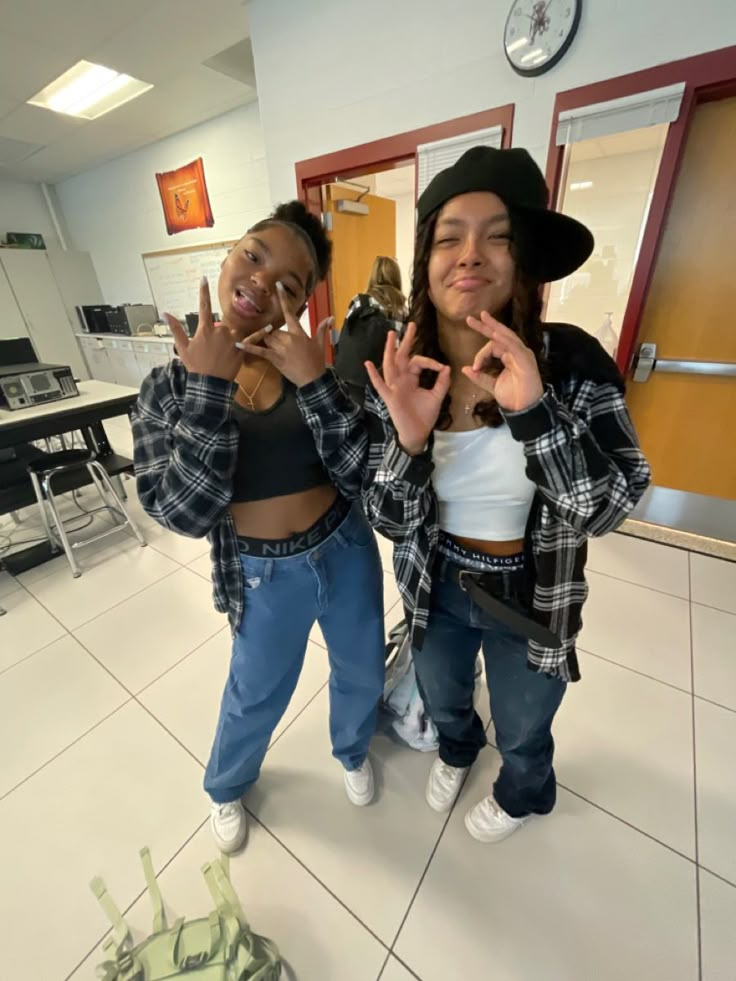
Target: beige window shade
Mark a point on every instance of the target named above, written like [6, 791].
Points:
[620, 115]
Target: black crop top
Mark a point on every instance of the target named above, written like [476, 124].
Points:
[276, 451]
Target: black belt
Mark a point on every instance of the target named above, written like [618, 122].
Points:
[472, 583]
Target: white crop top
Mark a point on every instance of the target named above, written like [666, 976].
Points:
[481, 485]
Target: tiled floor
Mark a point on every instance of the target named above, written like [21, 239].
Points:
[109, 689]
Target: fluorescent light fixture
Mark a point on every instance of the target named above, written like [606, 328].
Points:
[517, 44]
[534, 55]
[581, 185]
[88, 91]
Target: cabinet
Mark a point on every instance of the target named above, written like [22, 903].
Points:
[12, 323]
[96, 356]
[123, 360]
[38, 292]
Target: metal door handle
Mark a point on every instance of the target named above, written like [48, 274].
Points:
[647, 362]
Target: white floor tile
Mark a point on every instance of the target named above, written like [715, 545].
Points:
[386, 548]
[78, 528]
[203, 567]
[573, 896]
[125, 784]
[714, 654]
[46, 702]
[717, 921]
[639, 628]
[178, 547]
[395, 971]
[187, 698]
[317, 937]
[144, 636]
[715, 749]
[7, 584]
[641, 562]
[625, 742]
[372, 857]
[713, 582]
[110, 575]
[25, 628]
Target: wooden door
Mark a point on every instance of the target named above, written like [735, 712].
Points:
[42, 306]
[356, 241]
[687, 422]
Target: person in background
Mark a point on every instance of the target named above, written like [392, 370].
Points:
[370, 317]
[489, 449]
[221, 450]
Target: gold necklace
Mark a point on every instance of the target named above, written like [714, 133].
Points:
[251, 396]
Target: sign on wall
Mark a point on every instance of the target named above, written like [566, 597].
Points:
[184, 198]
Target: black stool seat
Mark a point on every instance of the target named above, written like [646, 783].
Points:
[61, 458]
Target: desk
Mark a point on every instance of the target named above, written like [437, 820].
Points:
[96, 401]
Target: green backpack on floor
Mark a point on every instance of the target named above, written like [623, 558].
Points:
[219, 948]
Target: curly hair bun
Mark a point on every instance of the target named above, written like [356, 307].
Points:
[295, 213]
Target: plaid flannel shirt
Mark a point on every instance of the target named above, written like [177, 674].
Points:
[581, 453]
[185, 451]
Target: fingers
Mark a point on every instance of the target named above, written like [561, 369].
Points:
[483, 358]
[258, 351]
[389, 359]
[257, 338]
[442, 383]
[322, 330]
[205, 304]
[290, 319]
[419, 363]
[481, 379]
[481, 324]
[503, 333]
[181, 339]
[378, 383]
[407, 341]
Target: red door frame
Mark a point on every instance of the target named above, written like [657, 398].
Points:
[706, 77]
[377, 156]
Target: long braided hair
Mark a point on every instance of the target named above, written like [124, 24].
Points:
[522, 314]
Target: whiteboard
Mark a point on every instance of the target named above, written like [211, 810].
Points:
[174, 276]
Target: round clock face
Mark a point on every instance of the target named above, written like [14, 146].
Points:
[539, 32]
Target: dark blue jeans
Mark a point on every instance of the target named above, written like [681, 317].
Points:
[523, 703]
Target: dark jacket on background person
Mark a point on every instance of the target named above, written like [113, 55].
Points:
[362, 338]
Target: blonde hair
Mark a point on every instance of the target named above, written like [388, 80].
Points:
[384, 285]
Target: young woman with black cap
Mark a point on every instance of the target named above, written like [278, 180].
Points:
[492, 446]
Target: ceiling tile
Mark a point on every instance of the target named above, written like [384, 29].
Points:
[160, 41]
[38, 125]
[12, 151]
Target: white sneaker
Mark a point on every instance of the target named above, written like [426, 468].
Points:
[444, 785]
[359, 784]
[228, 825]
[489, 822]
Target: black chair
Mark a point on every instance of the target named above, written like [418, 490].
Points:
[35, 476]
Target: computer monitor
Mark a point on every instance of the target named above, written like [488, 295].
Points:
[17, 350]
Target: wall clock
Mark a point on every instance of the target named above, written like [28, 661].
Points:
[539, 32]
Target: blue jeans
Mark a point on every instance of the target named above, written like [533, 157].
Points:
[523, 703]
[339, 583]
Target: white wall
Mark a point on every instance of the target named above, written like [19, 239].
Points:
[23, 209]
[114, 211]
[329, 77]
